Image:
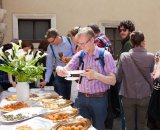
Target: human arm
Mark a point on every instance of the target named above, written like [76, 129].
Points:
[49, 67]
[110, 79]
[72, 65]
[107, 74]
[62, 71]
[10, 78]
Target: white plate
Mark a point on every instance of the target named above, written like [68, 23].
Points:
[28, 112]
[36, 123]
[34, 90]
[12, 89]
[76, 72]
[72, 78]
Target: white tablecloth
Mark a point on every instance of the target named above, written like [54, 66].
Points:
[8, 126]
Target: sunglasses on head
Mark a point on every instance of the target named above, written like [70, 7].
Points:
[124, 30]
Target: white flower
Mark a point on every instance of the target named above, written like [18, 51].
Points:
[38, 55]
[20, 43]
[20, 64]
[20, 53]
[10, 57]
[29, 57]
[10, 51]
[15, 47]
[1, 51]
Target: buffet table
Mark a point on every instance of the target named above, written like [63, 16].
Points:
[36, 121]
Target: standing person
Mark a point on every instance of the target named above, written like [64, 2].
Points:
[43, 49]
[26, 46]
[156, 58]
[60, 47]
[72, 33]
[134, 72]
[4, 81]
[92, 99]
[154, 105]
[103, 42]
[100, 39]
[125, 28]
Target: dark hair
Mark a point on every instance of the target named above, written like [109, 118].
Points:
[15, 40]
[27, 44]
[51, 33]
[136, 38]
[73, 31]
[43, 45]
[95, 28]
[7, 46]
[127, 24]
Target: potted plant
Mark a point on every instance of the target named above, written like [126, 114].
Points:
[23, 67]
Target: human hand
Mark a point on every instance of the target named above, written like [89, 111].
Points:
[42, 84]
[13, 83]
[66, 59]
[90, 74]
[61, 71]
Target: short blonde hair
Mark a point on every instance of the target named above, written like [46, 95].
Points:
[85, 31]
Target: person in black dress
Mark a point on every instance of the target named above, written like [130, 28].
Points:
[154, 105]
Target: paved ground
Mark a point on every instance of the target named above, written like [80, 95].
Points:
[117, 124]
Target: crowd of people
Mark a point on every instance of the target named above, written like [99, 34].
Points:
[130, 88]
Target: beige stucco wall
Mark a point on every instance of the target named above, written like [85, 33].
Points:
[69, 13]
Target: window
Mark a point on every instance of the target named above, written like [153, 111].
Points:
[113, 34]
[44, 20]
[33, 29]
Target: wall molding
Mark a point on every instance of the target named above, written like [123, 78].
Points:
[107, 24]
[52, 17]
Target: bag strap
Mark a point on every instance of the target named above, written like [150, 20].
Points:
[144, 76]
[69, 40]
[52, 51]
[81, 62]
[100, 58]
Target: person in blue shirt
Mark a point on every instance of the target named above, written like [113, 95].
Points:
[60, 47]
